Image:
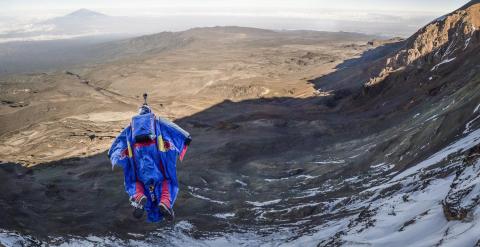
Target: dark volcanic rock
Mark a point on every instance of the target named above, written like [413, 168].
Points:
[464, 195]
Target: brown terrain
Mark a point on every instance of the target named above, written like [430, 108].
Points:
[283, 123]
[184, 73]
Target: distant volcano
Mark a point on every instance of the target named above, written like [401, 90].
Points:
[79, 17]
[85, 13]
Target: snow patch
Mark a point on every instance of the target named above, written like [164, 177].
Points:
[323, 232]
[418, 221]
[306, 177]
[383, 167]
[136, 235]
[434, 117]
[225, 215]
[353, 179]
[325, 162]
[262, 204]
[354, 156]
[275, 179]
[464, 143]
[476, 108]
[314, 191]
[443, 62]
[207, 199]
[241, 182]
[467, 42]
[448, 106]
[468, 126]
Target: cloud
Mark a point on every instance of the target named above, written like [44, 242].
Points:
[34, 28]
[45, 37]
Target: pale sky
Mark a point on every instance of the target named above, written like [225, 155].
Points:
[283, 8]
[383, 17]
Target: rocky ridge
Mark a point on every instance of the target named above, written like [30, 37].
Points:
[439, 42]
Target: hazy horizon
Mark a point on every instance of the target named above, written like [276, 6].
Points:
[307, 8]
[388, 18]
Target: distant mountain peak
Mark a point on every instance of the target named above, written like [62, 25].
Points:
[85, 13]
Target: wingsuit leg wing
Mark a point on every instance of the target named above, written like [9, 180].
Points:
[172, 144]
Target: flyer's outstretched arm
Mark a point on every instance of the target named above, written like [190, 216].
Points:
[119, 154]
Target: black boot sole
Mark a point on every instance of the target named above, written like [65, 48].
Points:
[167, 214]
[138, 213]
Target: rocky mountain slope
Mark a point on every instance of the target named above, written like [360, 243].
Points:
[438, 43]
[388, 157]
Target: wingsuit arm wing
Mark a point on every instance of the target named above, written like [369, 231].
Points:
[181, 138]
[119, 156]
[118, 152]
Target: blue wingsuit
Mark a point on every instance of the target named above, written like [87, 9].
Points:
[151, 163]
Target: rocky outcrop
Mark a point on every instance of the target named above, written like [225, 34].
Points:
[437, 43]
[464, 194]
